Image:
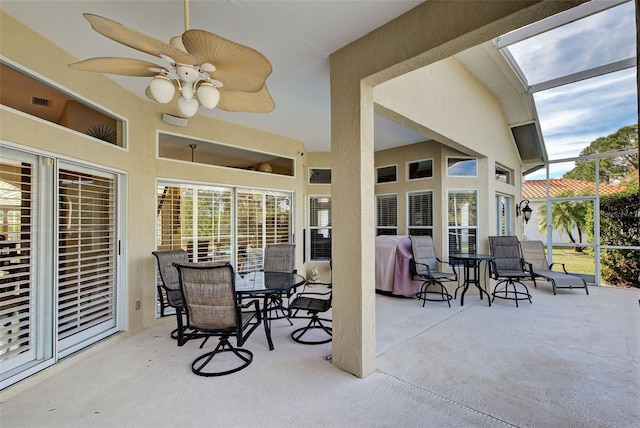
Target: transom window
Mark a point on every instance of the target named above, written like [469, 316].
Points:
[319, 176]
[420, 169]
[462, 167]
[387, 174]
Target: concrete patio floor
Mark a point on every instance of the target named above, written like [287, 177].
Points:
[569, 360]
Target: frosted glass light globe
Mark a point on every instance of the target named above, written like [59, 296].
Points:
[208, 95]
[162, 89]
[187, 107]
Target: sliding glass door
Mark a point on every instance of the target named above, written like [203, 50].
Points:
[59, 270]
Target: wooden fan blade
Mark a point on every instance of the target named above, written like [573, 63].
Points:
[128, 37]
[123, 66]
[237, 67]
[249, 102]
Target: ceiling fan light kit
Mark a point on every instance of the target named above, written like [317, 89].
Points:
[203, 69]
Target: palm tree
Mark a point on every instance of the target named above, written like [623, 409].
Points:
[565, 217]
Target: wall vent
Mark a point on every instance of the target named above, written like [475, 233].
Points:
[40, 102]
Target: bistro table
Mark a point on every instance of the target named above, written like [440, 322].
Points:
[264, 284]
[471, 261]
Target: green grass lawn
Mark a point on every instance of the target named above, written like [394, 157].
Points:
[574, 262]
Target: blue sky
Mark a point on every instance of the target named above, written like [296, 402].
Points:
[574, 115]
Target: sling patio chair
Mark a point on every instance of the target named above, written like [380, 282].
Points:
[509, 269]
[313, 303]
[426, 266]
[535, 256]
[171, 287]
[213, 309]
[279, 258]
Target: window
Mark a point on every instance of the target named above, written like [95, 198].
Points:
[387, 174]
[462, 167]
[189, 149]
[504, 174]
[261, 218]
[320, 227]
[58, 106]
[420, 213]
[462, 221]
[387, 214]
[504, 208]
[319, 176]
[420, 169]
[200, 219]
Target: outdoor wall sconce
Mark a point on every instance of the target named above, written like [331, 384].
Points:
[526, 211]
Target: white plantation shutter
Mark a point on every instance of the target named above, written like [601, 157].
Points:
[87, 255]
[206, 214]
[278, 218]
[462, 221]
[213, 216]
[421, 213]
[387, 214]
[17, 297]
[250, 212]
[320, 227]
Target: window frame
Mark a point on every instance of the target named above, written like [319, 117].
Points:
[310, 174]
[312, 228]
[410, 226]
[395, 175]
[472, 248]
[508, 172]
[408, 169]
[462, 158]
[386, 227]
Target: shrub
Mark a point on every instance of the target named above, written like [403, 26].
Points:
[620, 225]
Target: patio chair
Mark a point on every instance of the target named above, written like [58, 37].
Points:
[279, 258]
[425, 266]
[509, 269]
[536, 257]
[314, 303]
[171, 286]
[213, 309]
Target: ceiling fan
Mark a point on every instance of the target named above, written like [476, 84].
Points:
[202, 69]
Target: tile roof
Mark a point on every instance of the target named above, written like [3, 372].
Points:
[533, 189]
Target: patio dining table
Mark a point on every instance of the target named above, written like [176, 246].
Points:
[471, 263]
[264, 284]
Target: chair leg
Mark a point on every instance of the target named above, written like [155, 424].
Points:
[443, 294]
[223, 345]
[180, 329]
[276, 304]
[315, 323]
[513, 294]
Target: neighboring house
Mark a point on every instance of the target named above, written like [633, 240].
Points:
[536, 192]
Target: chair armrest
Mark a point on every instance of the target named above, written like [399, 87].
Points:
[313, 293]
[414, 271]
[451, 265]
[249, 303]
[564, 269]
